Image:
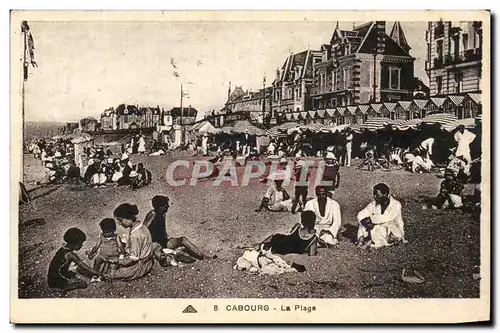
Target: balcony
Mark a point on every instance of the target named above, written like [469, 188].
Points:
[321, 90]
[438, 62]
[463, 57]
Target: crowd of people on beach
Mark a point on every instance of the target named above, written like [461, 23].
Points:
[103, 168]
[130, 255]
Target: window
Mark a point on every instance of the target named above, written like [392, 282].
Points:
[439, 84]
[125, 119]
[394, 78]
[459, 82]
[465, 41]
[333, 80]
[439, 48]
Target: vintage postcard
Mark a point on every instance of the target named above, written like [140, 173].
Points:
[250, 166]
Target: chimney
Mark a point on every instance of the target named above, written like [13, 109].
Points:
[380, 32]
[229, 91]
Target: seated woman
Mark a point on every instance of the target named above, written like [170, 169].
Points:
[380, 222]
[276, 198]
[141, 250]
[301, 239]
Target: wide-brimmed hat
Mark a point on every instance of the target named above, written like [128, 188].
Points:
[58, 154]
[330, 156]
[133, 174]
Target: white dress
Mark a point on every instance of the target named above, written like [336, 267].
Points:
[142, 145]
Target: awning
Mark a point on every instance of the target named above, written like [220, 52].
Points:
[303, 114]
[289, 116]
[295, 115]
[313, 127]
[468, 123]
[280, 130]
[245, 127]
[312, 114]
[226, 130]
[407, 124]
[376, 123]
[321, 113]
[443, 119]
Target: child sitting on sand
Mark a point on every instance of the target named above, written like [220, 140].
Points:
[450, 193]
[108, 245]
[59, 275]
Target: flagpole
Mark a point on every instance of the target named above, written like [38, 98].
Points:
[182, 114]
[23, 80]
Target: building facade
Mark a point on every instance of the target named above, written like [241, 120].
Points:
[129, 117]
[88, 124]
[454, 53]
[294, 79]
[363, 65]
[257, 104]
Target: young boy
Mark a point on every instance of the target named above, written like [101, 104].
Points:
[108, 245]
[59, 275]
[301, 185]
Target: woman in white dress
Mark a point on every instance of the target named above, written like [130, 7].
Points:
[142, 145]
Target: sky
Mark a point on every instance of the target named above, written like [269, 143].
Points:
[86, 67]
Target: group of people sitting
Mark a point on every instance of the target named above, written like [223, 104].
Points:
[380, 224]
[116, 172]
[124, 255]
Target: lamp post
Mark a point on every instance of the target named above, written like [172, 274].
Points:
[374, 98]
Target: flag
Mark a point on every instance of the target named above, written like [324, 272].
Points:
[25, 28]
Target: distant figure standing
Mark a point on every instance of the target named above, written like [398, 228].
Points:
[464, 138]
[348, 146]
[141, 145]
[204, 145]
[426, 147]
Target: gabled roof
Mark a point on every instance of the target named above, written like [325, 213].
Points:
[302, 59]
[399, 37]
[237, 92]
